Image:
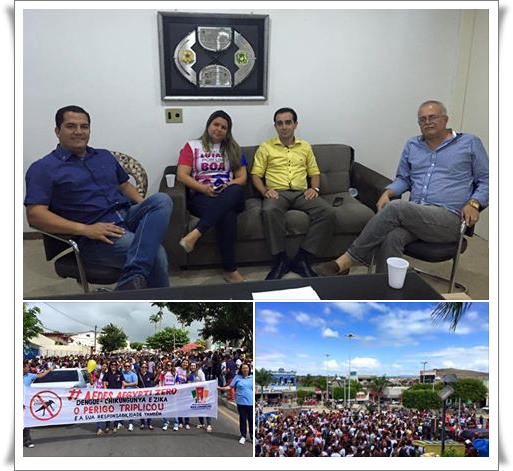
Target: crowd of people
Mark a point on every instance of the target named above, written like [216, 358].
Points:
[349, 433]
[231, 368]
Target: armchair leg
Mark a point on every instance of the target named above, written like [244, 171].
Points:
[452, 283]
[82, 280]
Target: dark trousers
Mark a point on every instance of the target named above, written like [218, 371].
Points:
[245, 420]
[220, 212]
[26, 436]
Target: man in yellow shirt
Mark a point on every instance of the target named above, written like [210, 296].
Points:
[280, 173]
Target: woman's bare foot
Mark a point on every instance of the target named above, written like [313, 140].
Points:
[233, 277]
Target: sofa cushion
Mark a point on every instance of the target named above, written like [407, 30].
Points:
[334, 161]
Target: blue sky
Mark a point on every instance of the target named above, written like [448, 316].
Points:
[391, 338]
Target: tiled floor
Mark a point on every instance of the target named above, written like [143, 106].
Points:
[39, 278]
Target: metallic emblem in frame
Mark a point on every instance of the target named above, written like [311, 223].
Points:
[217, 40]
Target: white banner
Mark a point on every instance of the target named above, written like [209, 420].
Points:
[75, 405]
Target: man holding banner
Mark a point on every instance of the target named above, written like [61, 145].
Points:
[27, 381]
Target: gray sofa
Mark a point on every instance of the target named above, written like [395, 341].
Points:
[339, 172]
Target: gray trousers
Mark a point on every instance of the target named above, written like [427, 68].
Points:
[322, 218]
[397, 224]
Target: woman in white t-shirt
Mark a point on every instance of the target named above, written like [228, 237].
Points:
[214, 169]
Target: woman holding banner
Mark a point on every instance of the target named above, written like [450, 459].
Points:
[243, 386]
[113, 379]
[169, 377]
[196, 375]
[97, 382]
[146, 380]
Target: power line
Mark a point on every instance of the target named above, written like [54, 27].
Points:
[65, 315]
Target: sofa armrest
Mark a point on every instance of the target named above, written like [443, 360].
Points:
[369, 183]
[178, 223]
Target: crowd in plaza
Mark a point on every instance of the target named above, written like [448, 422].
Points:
[348, 433]
[231, 368]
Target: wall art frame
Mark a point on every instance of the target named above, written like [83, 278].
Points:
[207, 56]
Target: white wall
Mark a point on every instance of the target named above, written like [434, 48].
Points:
[354, 77]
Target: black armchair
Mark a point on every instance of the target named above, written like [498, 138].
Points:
[71, 265]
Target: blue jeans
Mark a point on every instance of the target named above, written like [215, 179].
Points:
[220, 211]
[138, 251]
[146, 422]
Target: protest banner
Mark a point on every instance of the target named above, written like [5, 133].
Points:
[75, 405]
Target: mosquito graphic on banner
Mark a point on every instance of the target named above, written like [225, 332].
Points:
[74, 405]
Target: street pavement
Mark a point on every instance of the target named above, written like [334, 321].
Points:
[81, 440]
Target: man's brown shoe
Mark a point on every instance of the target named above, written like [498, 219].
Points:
[329, 269]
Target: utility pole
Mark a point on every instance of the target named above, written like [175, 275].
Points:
[95, 331]
[349, 336]
[327, 378]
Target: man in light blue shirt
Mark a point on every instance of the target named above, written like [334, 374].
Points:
[129, 382]
[447, 176]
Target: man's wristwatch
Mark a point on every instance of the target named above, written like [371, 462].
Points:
[316, 189]
[474, 203]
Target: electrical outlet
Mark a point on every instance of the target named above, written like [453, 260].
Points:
[174, 115]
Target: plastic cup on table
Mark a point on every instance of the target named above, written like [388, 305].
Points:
[397, 268]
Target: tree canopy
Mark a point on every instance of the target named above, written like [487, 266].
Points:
[167, 339]
[224, 322]
[112, 338]
[32, 326]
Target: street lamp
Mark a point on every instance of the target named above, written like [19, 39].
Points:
[349, 336]
[444, 394]
[424, 373]
[327, 378]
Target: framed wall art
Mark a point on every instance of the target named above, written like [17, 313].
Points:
[205, 56]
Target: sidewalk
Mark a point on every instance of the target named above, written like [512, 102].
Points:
[227, 403]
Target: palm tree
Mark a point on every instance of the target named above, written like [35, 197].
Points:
[154, 319]
[377, 386]
[449, 312]
[263, 378]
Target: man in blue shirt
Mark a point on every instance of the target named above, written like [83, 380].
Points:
[447, 175]
[81, 191]
[130, 381]
[28, 377]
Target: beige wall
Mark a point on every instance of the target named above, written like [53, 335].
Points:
[470, 106]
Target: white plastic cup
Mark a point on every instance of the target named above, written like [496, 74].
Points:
[353, 192]
[170, 180]
[397, 271]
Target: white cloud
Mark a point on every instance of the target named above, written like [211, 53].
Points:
[326, 310]
[355, 310]
[270, 319]
[312, 321]
[464, 358]
[327, 332]
[332, 365]
[378, 307]
[363, 363]
[303, 318]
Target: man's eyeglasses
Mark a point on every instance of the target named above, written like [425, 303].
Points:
[430, 118]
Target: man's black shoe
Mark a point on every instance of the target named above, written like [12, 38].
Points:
[279, 270]
[135, 282]
[303, 268]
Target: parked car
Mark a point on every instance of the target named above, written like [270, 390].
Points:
[473, 433]
[310, 402]
[64, 378]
